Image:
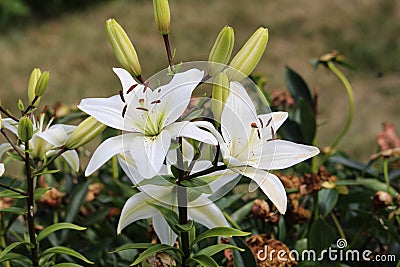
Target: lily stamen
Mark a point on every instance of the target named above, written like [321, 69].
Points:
[156, 101]
[142, 108]
[121, 95]
[124, 111]
[131, 88]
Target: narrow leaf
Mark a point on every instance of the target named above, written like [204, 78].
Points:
[245, 258]
[320, 241]
[154, 249]
[327, 199]
[77, 198]
[197, 184]
[58, 226]
[219, 231]
[185, 227]
[14, 210]
[67, 264]
[12, 246]
[203, 260]
[214, 249]
[170, 216]
[11, 194]
[67, 251]
[133, 246]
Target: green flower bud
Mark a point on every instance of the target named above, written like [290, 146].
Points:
[84, 133]
[42, 83]
[220, 93]
[162, 16]
[25, 129]
[33, 79]
[249, 55]
[21, 105]
[123, 48]
[222, 50]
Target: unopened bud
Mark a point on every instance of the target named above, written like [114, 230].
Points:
[25, 129]
[222, 50]
[249, 55]
[162, 16]
[33, 79]
[123, 48]
[220, 93]
[42, 83]
[21, 105]
[84, 133]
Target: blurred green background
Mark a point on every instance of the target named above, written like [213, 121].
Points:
[68, 39]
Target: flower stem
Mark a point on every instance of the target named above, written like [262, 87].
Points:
[386, 175]
[8, 114]
[62, 150]
[31, 207]
[12, 144]
[338, 226]
[183, 219]
[168, 49]
[13, 189]
[349, 91]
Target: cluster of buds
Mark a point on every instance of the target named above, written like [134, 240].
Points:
[37, 85]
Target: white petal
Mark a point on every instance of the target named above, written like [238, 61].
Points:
[107, 150]
[175, 96]
[4, 148]
[136, 208]
[269, 184]
[203, 211]
[1, 169]
[129, 167]
[126, 79]
[71, 156]
[149, 152]
[55, 135]
[280, 154]
[190, 130]
[237, 117]
[163, 231]
[187, 151]
[278, 118]
[11, 125]
[108, 111]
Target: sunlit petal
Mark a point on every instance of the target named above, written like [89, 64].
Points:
[207, 213]
[190, 130]
[72, 158]
[163, 231]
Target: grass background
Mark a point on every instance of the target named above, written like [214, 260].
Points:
[75, 49]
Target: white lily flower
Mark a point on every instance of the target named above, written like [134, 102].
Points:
[249, 147]
[47, 140]
[148, 119]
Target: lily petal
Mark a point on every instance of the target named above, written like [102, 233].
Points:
[190, 130]
[55, 135]
[11, 125]
[1, 169]
[149, 152]
[269, 184]
[107, 150]
[163, 231]
[136, 208]
[207, 213]
[126, 79]
[175, 96]
[278, 118]
[281, 154]
[72, 158]
[4, 148]
[108, 111]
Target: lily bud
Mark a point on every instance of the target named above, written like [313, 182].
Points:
[42, 83]
[84, 133]
[222, 50]
[249, 55]
[123, 48]
[220, 93]
[162, 16]
[21, 105]
[25, 129]
[33, 79]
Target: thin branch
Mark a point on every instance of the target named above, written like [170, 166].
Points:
[208, 171]
[17, 149]
[8, 114]
[168, 49]
[31, 105]
[59, 153]
[13, 189]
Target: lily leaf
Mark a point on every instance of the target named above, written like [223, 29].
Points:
[308, 122]
[14, 210]
[197, 184]
[154, 249]
[170, 216]
[11, 194]
[55, 227]
[327, 199]
[203, 260]
[133, 246]
[297, 86]
[67, 264]
[219, 231]
[67, 251]
[214, 249]
[245, 258]
[12, 246]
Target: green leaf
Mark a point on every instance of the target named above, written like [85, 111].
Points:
[327, 199]
[245, 258]
[291, 131]
[376, 185]
[12, 246]
[15, 257]
[170, 216]
[308, 123]
[47, 172]
[321, 235]
[39, 192]
[67, 264]
[11, 194]
[154, 249]
[214, 249]
[226, 202]
[193, 114]
[197, 184]
[203, 260]
[14, 210]
[185, 227]
[297, 86]
[176, 172]
[77, 198]
[242, 212]
[353, 165]
[66, 251]
[55, 227]
[133, 246]
[157, 180]
[219, 231]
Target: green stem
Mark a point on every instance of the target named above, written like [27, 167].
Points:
[338, 226]
[19, 152]
[3, 242]
[386, 175]
[31, 207]
[349, 91]
[62, 150]
[13, 189]
[8, 114]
